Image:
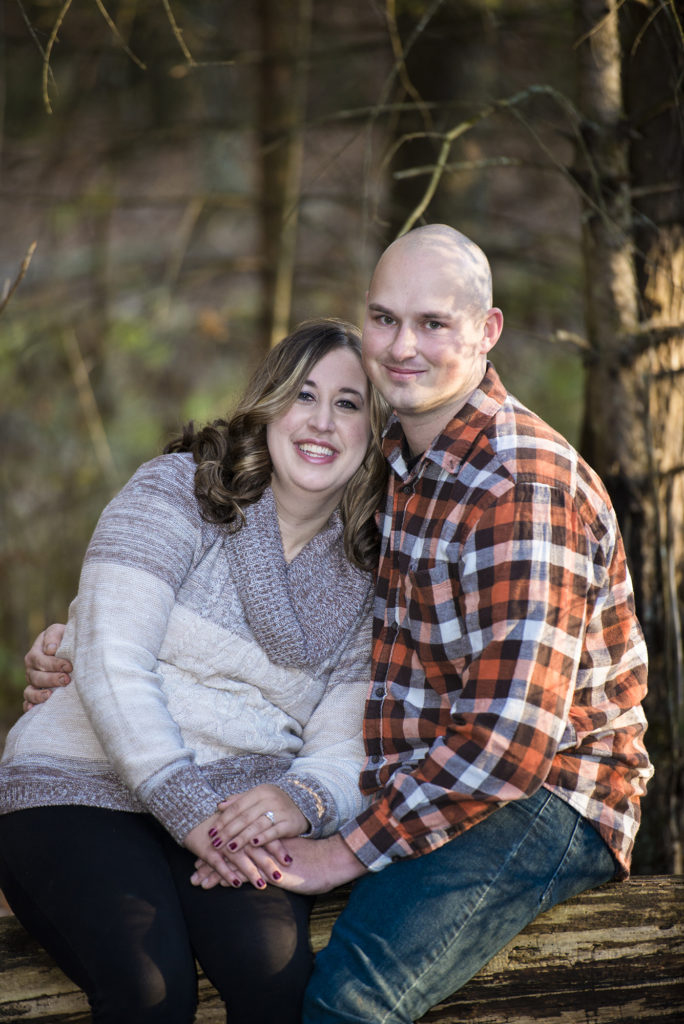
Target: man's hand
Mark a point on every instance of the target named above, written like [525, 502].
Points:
[319, 865]
[43, 671]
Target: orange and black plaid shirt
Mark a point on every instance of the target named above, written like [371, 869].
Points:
[507, 654]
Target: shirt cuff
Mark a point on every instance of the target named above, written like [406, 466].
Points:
[181, 801]
[374, 841]
[314, 801]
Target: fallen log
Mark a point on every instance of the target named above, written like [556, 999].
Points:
[614, 955]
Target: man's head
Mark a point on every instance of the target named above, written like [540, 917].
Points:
[429, 326]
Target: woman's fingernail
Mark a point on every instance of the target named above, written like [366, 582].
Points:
[237, 883]
[277, 876]
[232, 846]
[287, 858]
[260, 884]
[217, 843]
[213, 832]
[255, 841]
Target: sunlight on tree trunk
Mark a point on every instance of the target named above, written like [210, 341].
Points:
[633, 240]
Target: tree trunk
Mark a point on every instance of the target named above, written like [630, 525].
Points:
[285, 30]
[630, 165]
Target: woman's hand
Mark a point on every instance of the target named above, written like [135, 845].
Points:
[217, 866]
[44, 672]
[263, 866]
[258, 816]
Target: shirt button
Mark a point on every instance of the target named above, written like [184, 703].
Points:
[375, 759]
[407, 489]
[380, 692]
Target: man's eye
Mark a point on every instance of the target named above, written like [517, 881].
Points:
[434, 325]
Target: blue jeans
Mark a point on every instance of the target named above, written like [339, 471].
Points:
[418, 930]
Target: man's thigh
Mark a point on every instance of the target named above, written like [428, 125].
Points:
[418, 930]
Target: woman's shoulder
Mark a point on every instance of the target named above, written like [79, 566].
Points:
[166, 478]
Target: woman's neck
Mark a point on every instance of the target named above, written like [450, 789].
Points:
[300, 520]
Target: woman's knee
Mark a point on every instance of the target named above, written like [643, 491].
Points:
[145, 993]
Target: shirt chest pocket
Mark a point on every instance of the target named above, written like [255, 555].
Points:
[434, 617]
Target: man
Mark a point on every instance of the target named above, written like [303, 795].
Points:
[504, 728]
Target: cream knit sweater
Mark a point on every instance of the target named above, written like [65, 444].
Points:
[203, 664]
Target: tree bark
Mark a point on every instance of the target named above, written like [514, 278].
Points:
[285, 35]
[631, 165]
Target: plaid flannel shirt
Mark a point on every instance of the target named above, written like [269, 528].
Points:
[507, 654]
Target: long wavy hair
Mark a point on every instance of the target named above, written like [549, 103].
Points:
[233, 462]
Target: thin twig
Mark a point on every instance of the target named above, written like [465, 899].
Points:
[127, 50]
[400, 61]
[20, 276]
[178, 33]
[89, 406]
[48, 53]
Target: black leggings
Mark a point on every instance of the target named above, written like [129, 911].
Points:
[108, 895]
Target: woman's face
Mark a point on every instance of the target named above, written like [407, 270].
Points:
[320, 442]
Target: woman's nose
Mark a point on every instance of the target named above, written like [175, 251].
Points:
[321, 417]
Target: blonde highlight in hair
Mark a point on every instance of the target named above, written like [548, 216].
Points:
[233, 462]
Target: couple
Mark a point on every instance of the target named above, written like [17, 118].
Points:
[220, 639]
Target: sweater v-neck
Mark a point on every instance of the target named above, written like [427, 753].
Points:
[298, 611]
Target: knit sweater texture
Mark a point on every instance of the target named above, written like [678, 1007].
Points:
[204, 664]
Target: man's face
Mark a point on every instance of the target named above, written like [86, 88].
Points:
[424, 345]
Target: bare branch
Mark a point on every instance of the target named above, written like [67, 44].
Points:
[89, 406]
[468, 165]
[124, 46]
[400, 61]
[48, 53]
[20, 276]
[178, 33]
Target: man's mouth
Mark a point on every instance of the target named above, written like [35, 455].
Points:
[403, 371]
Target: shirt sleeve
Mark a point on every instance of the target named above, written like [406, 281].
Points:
[323, 780]
[141, 550]
[502, 636]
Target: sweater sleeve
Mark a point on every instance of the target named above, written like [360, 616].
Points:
[323, 780]
[142, 549]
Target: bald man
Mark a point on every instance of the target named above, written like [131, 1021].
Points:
[504, 728]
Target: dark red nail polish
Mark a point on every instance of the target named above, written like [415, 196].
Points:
[213, 832]
[260, 883]
[232, 846]
[288, 858]
[255, 842]
[237, 883]
[277, 876]
[217, 843]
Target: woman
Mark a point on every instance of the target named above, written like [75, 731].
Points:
[220, 642]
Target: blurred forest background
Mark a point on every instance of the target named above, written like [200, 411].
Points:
[183, 180]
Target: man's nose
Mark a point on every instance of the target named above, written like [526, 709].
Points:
[404, 342]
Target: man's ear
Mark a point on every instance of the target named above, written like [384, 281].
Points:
[492, 328]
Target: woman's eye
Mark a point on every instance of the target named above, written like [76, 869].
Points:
[347, 403]
[305, 396]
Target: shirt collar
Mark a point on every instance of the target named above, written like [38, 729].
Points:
[449, 448]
